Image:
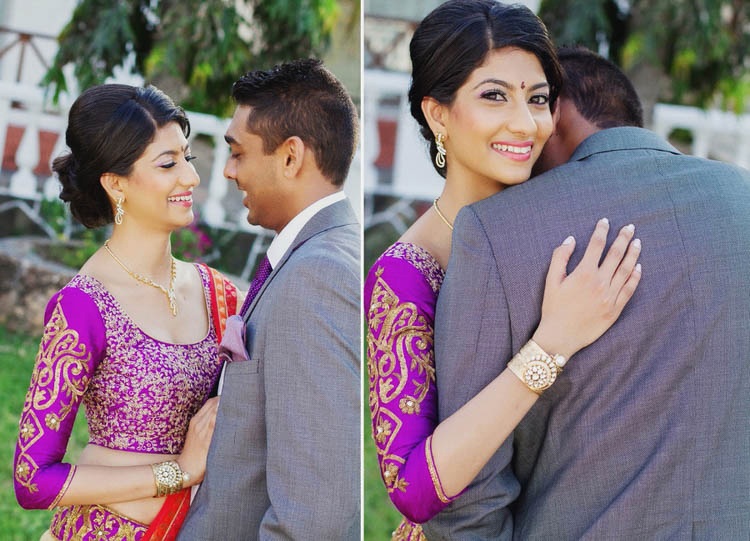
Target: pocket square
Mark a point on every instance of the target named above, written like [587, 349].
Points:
[232, 347]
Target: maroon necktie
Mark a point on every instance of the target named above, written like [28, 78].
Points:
[261, 274]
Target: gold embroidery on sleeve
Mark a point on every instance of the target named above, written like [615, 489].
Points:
[57, 376]
[433, 472]
[390, 472]
[408, 531]
[399, 345]
[64, 488]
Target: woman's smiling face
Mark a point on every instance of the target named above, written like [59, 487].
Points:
[499, 120]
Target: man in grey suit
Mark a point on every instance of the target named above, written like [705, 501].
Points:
[646, 434]
[284, 461]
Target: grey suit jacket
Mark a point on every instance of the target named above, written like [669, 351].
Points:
[647, 433]
[284, 461]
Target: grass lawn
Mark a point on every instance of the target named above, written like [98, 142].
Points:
[17, 353]
[381, 518]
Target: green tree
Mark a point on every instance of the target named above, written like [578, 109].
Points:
[693, 52]
[200, 46]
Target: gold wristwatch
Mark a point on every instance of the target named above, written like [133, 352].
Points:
[537, 369]
[168, 477]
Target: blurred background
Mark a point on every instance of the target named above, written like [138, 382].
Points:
[194, 51]
[688, 59]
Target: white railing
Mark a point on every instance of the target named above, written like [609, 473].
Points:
[716, 134]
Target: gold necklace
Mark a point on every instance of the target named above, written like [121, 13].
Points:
[169, 292]
[442, 217]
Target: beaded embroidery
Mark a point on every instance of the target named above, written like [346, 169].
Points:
[420, 259]
[400, 358]
[57, 382]
[94, 523]
[145, 391]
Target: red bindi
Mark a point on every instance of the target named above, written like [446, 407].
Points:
[523, 85]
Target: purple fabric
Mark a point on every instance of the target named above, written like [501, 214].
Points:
[94, 523]
[232, 346]
[140, 393]
[261, 275]
[400, 295]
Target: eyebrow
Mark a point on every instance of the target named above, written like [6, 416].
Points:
[508, 85]
[230, 140]
[171, 152]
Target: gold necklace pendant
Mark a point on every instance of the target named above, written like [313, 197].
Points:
[168, 291]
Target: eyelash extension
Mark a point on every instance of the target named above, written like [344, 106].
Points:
[535, 99]
[492, 94]
[170, 165]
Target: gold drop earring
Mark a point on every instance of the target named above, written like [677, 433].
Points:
[440, 156]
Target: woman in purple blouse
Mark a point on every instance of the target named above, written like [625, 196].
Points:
[131, 336]
[484, 82]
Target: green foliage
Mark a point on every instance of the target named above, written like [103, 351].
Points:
[17, 353]
[75, 253]
[97, 39]
[56, 215]
[205, 45]
[77, 243]
[191, 243]
[703, 46]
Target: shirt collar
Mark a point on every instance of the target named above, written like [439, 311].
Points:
[286, 236]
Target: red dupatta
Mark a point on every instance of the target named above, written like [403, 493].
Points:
[172, 514]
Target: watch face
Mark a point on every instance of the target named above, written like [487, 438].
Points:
[167, 475]
[539, 373]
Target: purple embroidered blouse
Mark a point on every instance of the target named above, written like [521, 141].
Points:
[139, 393]
[400, 295]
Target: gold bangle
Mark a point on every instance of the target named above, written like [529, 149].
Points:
[537, 369]
[168, 478]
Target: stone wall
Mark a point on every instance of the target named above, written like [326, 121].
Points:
[26, 283]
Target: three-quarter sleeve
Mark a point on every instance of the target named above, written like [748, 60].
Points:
[400, 303]
[71, 347]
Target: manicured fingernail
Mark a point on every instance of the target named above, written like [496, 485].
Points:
[636, 243]
[569, 240]
[629, 227]
[638, 268]
[604, 221]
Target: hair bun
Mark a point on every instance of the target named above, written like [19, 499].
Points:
[66, 167]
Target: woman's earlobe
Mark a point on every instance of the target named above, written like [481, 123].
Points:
[434, 113]
[113, 185]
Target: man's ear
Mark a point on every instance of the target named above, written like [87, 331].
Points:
[114, 185]
[293, 152]
[435, 113]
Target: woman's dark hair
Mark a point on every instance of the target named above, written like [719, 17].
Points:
[455, 38]
[109, 128]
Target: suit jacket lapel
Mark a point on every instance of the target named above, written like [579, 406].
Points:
[336, 215]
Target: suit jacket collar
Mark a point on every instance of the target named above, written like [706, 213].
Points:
[335, 215]
[625, 138]
[338, 214]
